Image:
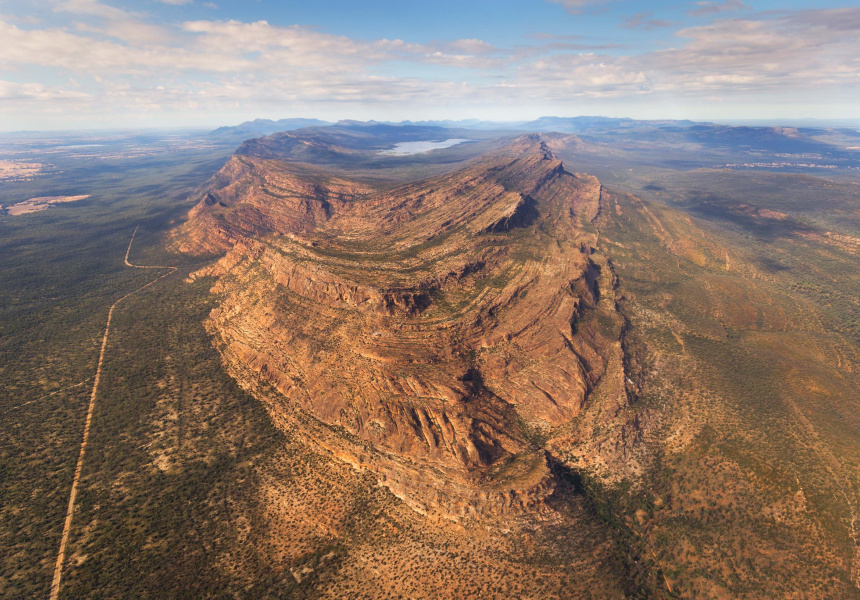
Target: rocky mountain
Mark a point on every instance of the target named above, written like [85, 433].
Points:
[434, 333]
[513, 348]
[262, 127]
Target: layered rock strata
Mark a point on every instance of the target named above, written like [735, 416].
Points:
[434, 334]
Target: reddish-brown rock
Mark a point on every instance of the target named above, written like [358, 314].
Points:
[434, 333]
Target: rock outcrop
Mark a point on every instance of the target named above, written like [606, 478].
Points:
[435, 333]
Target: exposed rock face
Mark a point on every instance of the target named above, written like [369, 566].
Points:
[251, 196]
[433, 334]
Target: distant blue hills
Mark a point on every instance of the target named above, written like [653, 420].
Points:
[262, 127]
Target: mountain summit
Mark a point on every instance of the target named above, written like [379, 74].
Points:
[434, 333]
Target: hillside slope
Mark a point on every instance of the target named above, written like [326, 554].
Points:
[497, 341]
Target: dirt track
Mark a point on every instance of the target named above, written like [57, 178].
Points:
[70, 511]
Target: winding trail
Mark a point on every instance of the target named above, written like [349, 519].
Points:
[70, 511]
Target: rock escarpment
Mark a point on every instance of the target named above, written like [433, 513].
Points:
[251, 196]
[435, 334]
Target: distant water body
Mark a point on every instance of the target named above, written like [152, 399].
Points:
[405, 148]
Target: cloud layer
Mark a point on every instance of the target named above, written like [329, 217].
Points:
[102, 62]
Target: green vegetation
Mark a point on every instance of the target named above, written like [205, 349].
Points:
[755, 483]
[61, 270]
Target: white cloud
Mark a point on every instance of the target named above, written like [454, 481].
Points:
[644, 21]
[113, 22]
[120, 61]
[10, 90]
[708, 7]
[92, 7]
[576, 6]
[472, 46]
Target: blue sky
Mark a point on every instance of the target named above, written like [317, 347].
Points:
[144, 63]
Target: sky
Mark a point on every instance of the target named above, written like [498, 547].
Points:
[86, 64]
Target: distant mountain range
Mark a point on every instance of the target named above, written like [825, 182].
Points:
[357, 142]
[261, 127]
[584, 124]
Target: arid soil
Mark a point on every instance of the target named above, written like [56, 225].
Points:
[39, 204]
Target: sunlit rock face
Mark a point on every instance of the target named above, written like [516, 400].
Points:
[435, 334]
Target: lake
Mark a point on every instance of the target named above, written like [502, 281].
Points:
[406, 148]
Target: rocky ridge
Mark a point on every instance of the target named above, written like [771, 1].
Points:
[439, 334]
